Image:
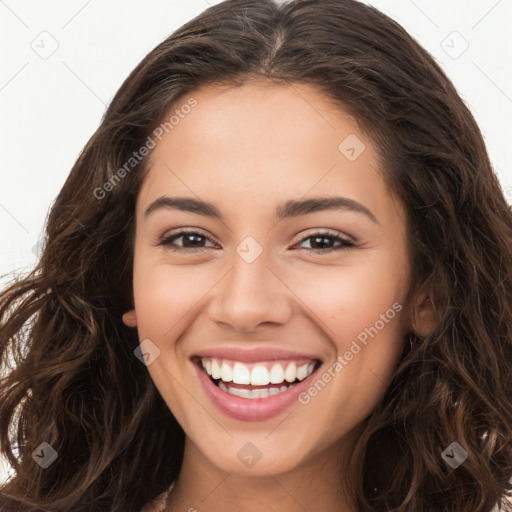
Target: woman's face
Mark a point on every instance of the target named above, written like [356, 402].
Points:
[257, 291]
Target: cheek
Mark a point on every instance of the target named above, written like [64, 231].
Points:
[347, 299]
[165, 294]
[166, 300]
[361, 310]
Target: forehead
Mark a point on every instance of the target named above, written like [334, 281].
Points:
[266, 142]
[260, 120]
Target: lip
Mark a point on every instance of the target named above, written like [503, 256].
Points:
[246, 409]
[260, 354]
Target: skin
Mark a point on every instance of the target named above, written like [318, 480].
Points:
[247, 150]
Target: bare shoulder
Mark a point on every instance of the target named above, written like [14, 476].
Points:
[156, 505]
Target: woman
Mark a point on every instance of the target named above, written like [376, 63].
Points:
[190, 337]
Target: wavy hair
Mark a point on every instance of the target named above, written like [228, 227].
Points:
[70, 377]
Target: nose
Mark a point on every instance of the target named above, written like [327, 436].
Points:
[251, 294]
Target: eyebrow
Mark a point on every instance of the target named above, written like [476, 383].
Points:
[291, 208]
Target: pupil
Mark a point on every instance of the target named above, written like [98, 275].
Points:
[191, 236]
[320, 238]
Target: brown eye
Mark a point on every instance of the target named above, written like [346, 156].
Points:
[191, 241]
[320, 240]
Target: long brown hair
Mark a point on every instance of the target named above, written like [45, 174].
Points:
[71, 378]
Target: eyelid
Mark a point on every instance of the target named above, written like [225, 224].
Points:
[181, 231]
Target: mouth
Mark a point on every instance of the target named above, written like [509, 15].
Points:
[257, 390]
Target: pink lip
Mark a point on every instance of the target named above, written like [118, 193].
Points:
[245, 409]
[247, 355]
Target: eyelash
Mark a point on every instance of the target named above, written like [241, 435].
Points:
[167, 242]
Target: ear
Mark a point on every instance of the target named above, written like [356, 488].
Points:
[130, 318]
[425, 316]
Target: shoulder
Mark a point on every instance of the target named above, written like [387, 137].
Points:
[156, 505]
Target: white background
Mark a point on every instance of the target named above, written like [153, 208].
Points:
[51, 106]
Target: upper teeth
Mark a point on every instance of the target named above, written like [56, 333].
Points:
[257, 374]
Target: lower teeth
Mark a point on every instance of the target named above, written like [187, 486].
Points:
[253, 393]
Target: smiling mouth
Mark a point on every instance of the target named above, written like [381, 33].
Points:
[256, 380]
